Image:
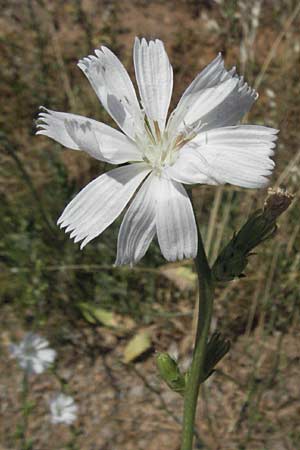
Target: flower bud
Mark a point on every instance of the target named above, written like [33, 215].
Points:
[260, 226]
[170, 373]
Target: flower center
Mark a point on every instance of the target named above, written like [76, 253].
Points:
[30, 351]
[157, 149]
[160, 149]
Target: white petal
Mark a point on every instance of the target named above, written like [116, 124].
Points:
[209, 77]
[25, 363]
[101, 202]
[72, 409]
[154, 75]
[47, 355]
[217, 97]
[191, 167]
[138, 226]
[80, 133]
[37, 366]
[114, 88]
[36, 341]
[175, 221]
[237, 155]
[69, 418]
[232, 109]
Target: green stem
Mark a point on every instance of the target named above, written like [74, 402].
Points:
[203, 325]
[72, 444]
[24, 424]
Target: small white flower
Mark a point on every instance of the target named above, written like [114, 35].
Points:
[33, 354]
[63, 409]
[199, 143]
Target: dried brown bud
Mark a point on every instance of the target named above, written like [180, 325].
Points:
[277, 202]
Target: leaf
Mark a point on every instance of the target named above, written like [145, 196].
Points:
[138, 345]
[94, 314]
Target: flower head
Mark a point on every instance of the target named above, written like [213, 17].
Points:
[260, 226]
[63, 409]
[33, 354]
[200, 142]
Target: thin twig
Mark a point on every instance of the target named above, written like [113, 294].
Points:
[276, 43]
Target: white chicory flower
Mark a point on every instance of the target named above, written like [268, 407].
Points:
[63, 409]
[33, 354]
[200, 142]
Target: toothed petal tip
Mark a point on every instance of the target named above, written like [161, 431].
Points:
[83, 244]
[43, 115]
[71, 228]
[62, 224]
[41, 132]
[75, 237]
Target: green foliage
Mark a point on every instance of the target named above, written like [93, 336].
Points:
[44, 271]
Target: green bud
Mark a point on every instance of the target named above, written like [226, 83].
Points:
[260, 226]
[170, 373]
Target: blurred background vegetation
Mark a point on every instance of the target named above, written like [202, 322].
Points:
[48, 285]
